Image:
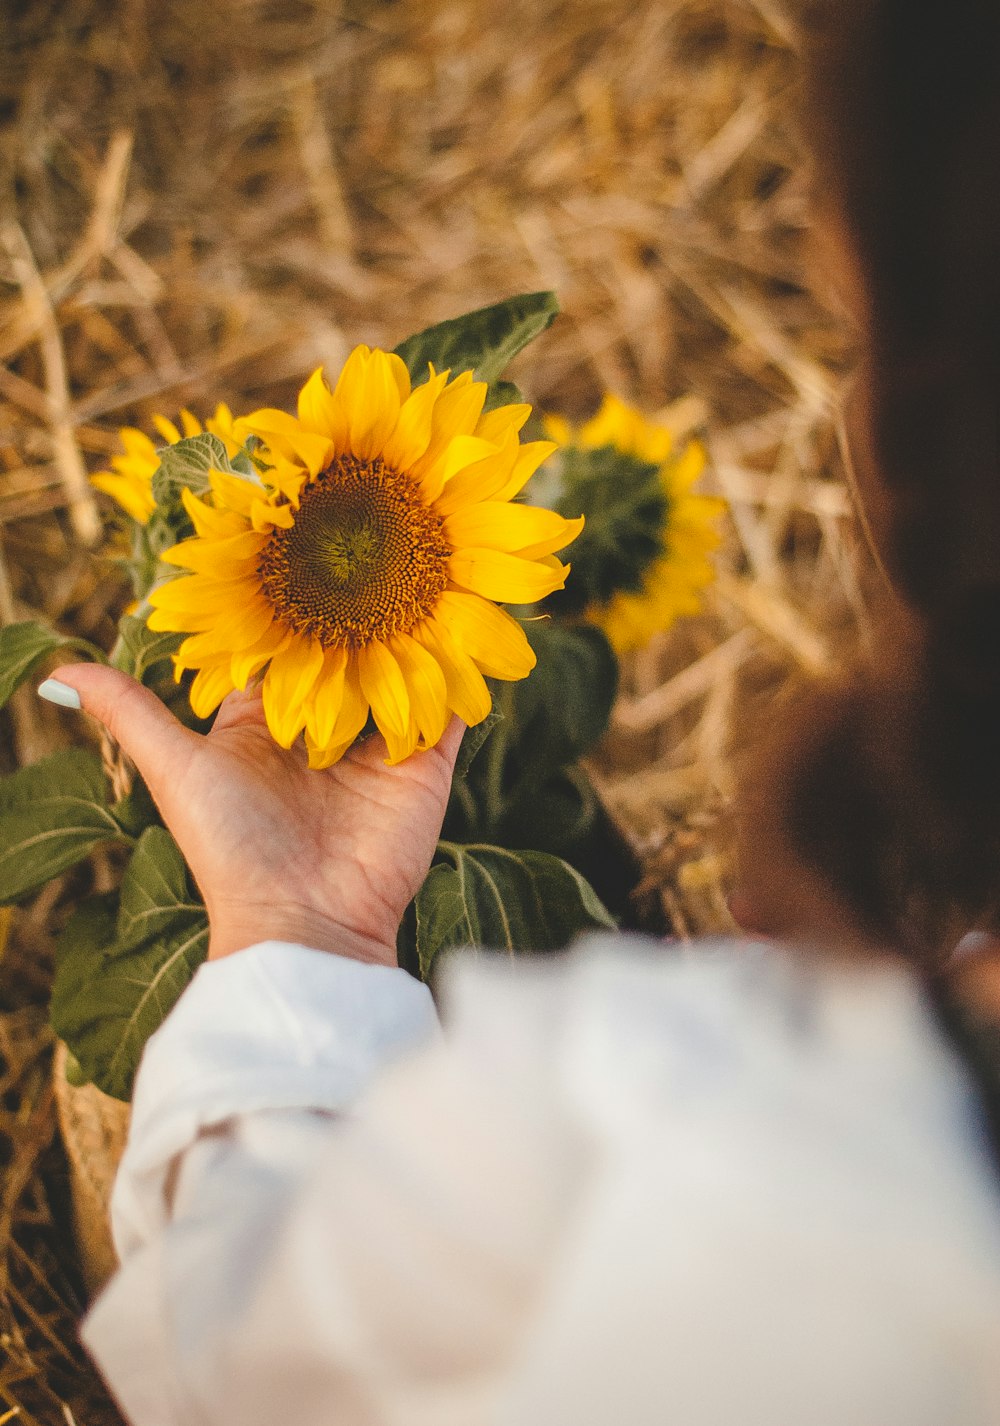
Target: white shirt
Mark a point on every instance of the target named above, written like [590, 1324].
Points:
[625, 1188]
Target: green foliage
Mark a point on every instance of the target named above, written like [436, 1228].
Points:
[563, 706]
[184, 465]
[187, 464]
[485, 342]
[51, 815]
[626, 510]
[546, 722]
[139, 648]
[526, 788]
[513, 901]
[119, 972]
[503, 393]
[24, 646]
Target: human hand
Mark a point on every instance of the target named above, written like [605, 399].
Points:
[327, 858]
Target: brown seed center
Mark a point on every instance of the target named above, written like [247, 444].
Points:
[366, 557]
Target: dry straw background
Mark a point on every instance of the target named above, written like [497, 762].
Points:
[202, 201]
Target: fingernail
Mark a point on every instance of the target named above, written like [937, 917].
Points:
[60, 693]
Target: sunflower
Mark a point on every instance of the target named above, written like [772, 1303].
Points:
[130, 481]
[358, 574]
[643, 559]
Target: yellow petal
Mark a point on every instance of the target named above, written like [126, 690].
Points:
[529, 458]
[232, 556]
[167, 429]
[410, 439]
[467, 457]
[287, 437]
[208, 521]
[134, 496]
[500, 479]
[221, 425]
[232, 493]
[265, 517]
[507, 578]
[468, 695]
[487, 634]
[425, 685]
[384, 687]
[246, 663]
[502, 422]
[456, 413]
[191, 594]
[209, 687]
[139, 447]
[351, 719]
[518, 529]
[191, 424]
[558, 429]
[287, 684]
[240, 629]
[324, 706]
[369, 393]
[319, 412]
[546, 547]
[681, 474]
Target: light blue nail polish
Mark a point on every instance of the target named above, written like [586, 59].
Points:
[60, 693]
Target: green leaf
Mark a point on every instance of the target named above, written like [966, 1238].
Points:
[563, 706]
[503, 393]
[502, 900]
[22, 648]
[114, 987]
[484, 341]
[187, 464]
[51, 815]
[562, 814]
[140, 648]
[80, 948]
[475, 737]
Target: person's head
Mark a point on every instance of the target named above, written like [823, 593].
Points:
[882, 794]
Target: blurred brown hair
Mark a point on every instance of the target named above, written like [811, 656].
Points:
[884, 790]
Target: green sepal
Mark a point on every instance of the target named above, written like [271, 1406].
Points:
[23, 646]
[51, 815]
[484, 342]
[187, 464]
[119, 974]
[501, 900]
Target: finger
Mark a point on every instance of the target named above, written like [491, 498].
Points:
[152, 737]
[241, 709]
[451, 740]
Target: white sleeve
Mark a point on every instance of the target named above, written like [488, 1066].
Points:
[625, 1188]
[284, 1258]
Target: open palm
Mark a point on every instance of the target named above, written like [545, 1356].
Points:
[279, 851]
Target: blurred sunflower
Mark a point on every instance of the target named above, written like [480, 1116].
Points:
[130, 480]
[359, 572]
[643, 558]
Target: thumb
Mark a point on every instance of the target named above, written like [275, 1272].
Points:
[157, 743]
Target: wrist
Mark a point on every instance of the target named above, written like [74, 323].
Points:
[235, 930]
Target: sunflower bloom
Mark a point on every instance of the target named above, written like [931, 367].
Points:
[130, 480]
[644, 558]
[359, 575]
